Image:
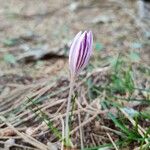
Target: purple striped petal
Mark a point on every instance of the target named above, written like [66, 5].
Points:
[80, 52]
[90, 38]
[73, 50]
[77, 51]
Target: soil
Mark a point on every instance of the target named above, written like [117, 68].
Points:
[37, 24]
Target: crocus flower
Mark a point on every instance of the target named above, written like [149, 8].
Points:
[80, 52]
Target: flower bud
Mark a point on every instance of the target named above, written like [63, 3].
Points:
[80, 52]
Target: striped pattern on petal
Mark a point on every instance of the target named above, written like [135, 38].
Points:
[73, 51]
[80, 52]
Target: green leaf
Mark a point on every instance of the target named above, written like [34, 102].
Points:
[134, 56]
[113, 60]
[9, 58]
[121, 126]
[11, 42]
[98, 47]
[90, 67]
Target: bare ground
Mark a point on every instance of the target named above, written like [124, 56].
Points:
[38, 24]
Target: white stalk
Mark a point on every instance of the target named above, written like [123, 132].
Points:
[67, 140]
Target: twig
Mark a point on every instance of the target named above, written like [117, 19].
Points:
[112, 141]
[84, 123]
[27, 138]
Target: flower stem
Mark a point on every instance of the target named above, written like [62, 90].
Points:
[67, 138]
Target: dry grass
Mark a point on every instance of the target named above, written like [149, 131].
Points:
[116, 79]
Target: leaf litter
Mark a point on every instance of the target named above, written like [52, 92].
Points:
[102, 122]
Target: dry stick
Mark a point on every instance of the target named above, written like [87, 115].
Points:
[13, 95]
[92, 112]
[25, 147]
[8, 137]
[9, 132]
[113, 110]
[35, 85]
[17, 92]
[62, 105]
[84, 123]
[81, 131]
[92, 139]
[18, 102]
[33, 115]
[27, 138]
[22, 114]
[20, 146]
[67, 112]
[42, 126]
[112, 141]
[64, 115]
[109, 129]
[15, 105]
[102, 137]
